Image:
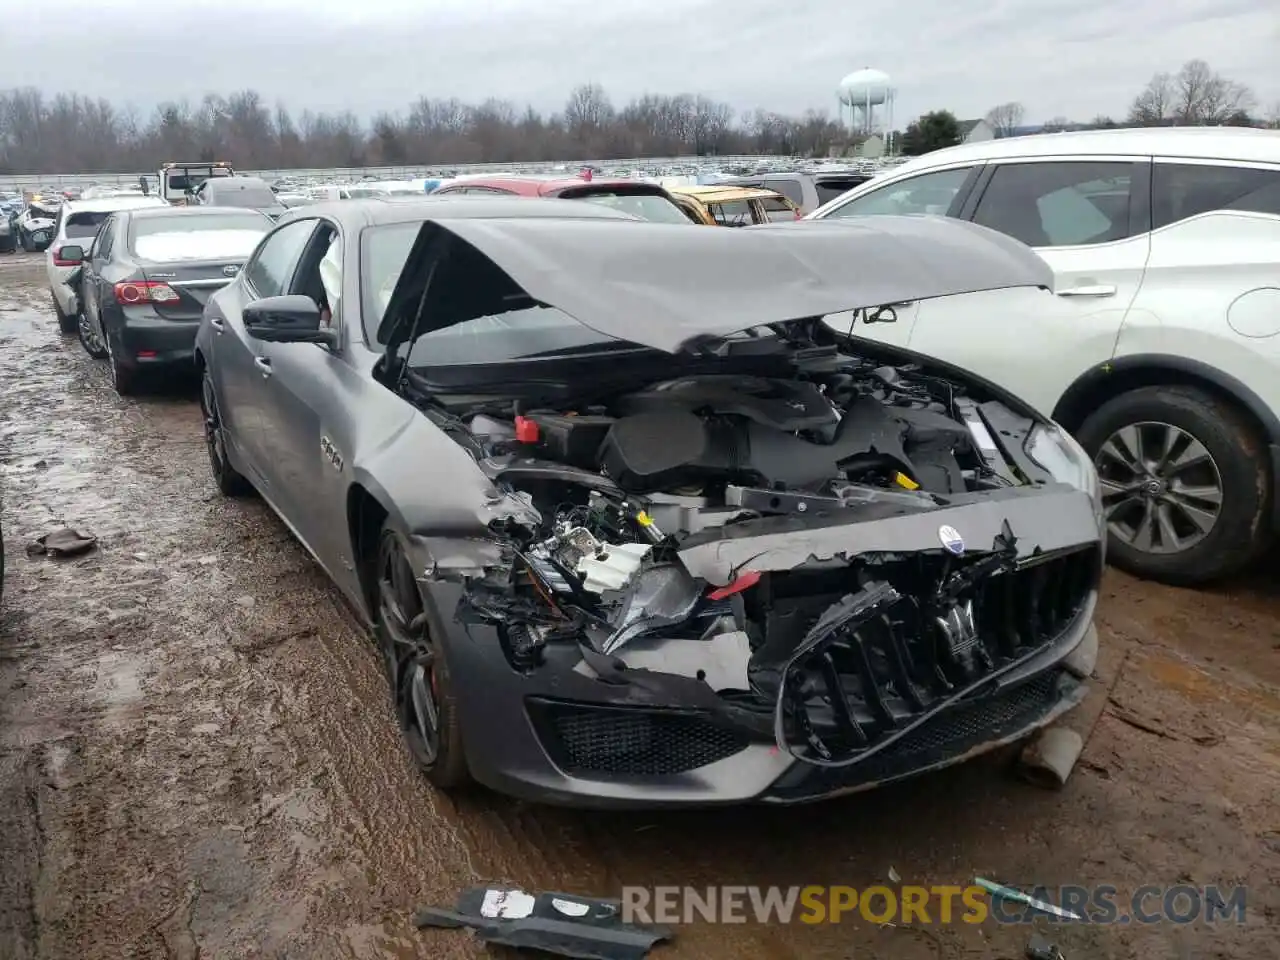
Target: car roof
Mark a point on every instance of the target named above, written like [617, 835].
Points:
[718, 193]
[150, 213]
[112, 204]
[1200, 143]
[552, 184]
[408, 208]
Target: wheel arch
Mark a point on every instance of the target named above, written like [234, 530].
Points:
[1109, 380]
[366, 514]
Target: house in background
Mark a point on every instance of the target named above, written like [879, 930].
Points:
[973, 131]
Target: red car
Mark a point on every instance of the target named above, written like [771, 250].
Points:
[648, 201]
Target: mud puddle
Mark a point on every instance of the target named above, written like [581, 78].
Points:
[197, 759]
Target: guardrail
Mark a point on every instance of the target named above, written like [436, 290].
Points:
[347, 174]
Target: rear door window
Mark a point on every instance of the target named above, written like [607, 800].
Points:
[85, 224]
[1058, 204]
[776, 210]
[731, 213]
[1182, 190]
[790, 189]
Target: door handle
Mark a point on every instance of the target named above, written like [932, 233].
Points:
[1096, 290]
[218, 326]
[263, 364]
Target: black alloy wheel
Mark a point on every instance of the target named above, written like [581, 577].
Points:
[90, 339]
[230, 482]
[416, 669]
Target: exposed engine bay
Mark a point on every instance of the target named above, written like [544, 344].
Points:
[626, 482]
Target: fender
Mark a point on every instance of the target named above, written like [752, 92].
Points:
[1093, 379]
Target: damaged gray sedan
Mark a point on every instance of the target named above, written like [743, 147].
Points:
[632, 524]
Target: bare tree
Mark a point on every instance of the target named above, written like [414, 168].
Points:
[1153, 105]
[1273, 116]
[1006, 117]
[71, 133]
[1204, 97]
[1057, 125]
[1195, 96]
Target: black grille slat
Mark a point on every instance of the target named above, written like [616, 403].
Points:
[901, 663]
[585, 740]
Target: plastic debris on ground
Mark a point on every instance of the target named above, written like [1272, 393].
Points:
[1038, 948]
[561, 924]
[63, 542]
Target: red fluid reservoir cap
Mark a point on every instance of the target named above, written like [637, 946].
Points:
[526, 430]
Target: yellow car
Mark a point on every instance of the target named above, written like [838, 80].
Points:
[729, 206]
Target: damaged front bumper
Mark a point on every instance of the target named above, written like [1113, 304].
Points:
[663, 721]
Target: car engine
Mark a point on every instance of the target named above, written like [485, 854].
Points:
[661, 463]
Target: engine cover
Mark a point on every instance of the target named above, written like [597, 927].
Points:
[787, 405]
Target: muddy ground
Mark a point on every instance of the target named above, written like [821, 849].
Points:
[197, 759]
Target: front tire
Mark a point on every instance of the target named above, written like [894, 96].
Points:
[66, 322]
[1185, 481]
[89, 338]
[230, 482]
[421, 687]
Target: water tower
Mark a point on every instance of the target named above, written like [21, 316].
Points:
[869, 97]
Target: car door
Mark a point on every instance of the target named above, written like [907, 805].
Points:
[91, 277]
[303, 424]
[941, 192]
[240, 367]
[1213, 269]
[1088, 218]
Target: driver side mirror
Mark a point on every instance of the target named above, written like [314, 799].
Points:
[289, 319]
[71, 252]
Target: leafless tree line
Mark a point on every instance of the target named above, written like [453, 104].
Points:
[1194, 96]
[71, 133]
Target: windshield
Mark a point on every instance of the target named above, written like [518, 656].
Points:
[483, 316]
[197, 237]
[81, 225]
[646, 206]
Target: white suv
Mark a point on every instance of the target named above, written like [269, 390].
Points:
[1161, 350]
[78, 222]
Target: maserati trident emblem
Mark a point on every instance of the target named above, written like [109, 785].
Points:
[960, 630]
[230, 270]
[952, 542]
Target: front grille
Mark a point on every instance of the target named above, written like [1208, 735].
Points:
[592, 740]
[946, 736]
[908, 655]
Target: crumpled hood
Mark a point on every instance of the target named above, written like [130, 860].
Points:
[668, 287]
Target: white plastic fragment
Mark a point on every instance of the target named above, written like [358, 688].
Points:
[613, 568]
[507, 904]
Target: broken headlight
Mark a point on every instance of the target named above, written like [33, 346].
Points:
[1057, 451]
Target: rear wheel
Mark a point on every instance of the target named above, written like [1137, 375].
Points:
[124, 379]
[1185, 484]
[421, 688]
[66, 322]
[229, 480]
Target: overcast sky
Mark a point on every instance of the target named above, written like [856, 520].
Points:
[1074, 58]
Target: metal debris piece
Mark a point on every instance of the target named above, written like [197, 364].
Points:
[1017, 896]
[563, 924]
